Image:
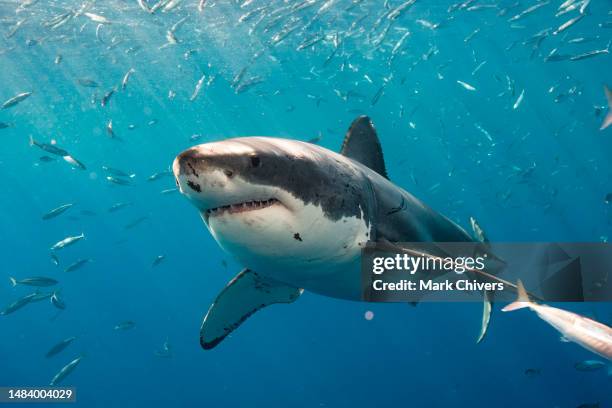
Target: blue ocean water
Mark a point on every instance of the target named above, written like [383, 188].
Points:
[534, 168]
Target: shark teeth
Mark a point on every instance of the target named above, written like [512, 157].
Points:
[241, 207]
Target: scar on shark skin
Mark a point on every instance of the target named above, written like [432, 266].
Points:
[195, 173]
[401, 207]
[297, 237]
[194, 186]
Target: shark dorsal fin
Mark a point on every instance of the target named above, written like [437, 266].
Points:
[361, 144]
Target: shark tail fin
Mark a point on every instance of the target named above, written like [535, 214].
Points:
[13, 281]
[521, 301]
[486, 316]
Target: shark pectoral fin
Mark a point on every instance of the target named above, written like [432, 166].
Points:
[244, 295]
[361, 144]
[486, 316]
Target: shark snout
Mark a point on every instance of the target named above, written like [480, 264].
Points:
[186, 163]
[186, 173]
[198, 174]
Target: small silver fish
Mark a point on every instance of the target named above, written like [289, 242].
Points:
[99, 33]
[49, 148]
[159, 175]
[197, 89]
[109, 129]
[590, 334]
[126, 78]
[568, 24]
[247, 84]
[398, 45]
[18, 304]
[528, 10]
[158, 259]
[128, 324]
[467, 86]
[15, 100]
[171, 38]
[518, 100]
[118, 172]
[118, 206]
[378, 95]
[143, 5]
[77, 265]
[118, 181]
[55, 259]
[96, 18]
[589, 54]
[57, 301]
[34, 281]
[67, 369]
[59, 347]
[56, 211]
[427, 24]
[471, 36]
[106, 98]
[74, 162]
[478, 231]
[589, 365]
[67, 242]
[478, 67]
[396, 12]
[87, 82]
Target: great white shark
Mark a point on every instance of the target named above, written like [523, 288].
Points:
[296, 216]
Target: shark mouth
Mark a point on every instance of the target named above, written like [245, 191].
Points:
[241, 207]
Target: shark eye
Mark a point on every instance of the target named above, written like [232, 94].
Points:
[255, 161]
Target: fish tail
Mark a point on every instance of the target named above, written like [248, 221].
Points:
[608, 119]
[13, 281]
[32, 141]
[521, 301]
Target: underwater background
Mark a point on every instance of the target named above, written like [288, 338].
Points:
[487, 108]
